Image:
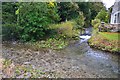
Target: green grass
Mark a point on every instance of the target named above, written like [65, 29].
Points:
[106, 41]
[110, 36]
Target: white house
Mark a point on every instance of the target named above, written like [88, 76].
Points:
[115, 15]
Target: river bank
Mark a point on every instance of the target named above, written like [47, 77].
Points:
[106, 41]
[77, 60]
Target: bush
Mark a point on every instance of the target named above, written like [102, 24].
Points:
[96, 23]
[9, 19]
[9, 32]
[34, 18]
[103, 15]
[65, 29]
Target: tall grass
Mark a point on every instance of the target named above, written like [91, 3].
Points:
[65, 29]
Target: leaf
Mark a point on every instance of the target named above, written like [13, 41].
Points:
[17, 11]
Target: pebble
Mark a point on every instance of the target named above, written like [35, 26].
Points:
[59, 65]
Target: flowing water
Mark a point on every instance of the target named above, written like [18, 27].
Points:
[77, 60]
[93, 61]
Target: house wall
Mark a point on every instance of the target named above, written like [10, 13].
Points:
[115, 15]
[112, 19]
[119, 18]
[115, 18]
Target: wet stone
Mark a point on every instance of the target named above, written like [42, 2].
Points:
[72, 62]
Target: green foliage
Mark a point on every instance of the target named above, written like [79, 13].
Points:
[21, 70]
[33, 73]
[6, 63]
[105, 41]
[30, 21]
[9, 20]
[90, 10]
[80, 21]
[65, 29]
[110, 36]
[96, 23]
[85, 8]
[34, 18]
[95, 8]
[53, 43]
[68, 10]
[8, 12]
[103, 15]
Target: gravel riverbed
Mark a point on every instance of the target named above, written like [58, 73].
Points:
[75, 61]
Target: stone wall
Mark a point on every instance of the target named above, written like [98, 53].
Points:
[109, 28]
[116, 27]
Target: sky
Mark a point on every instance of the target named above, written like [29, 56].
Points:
[108, 3]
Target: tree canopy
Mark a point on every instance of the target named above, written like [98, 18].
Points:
[30, 21]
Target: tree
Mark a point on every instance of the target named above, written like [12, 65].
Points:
[90, 10]
[103, 15]
[9, 21]
[34, 18]
[84, 7]
[80, 21]
[95, 8]
[68, 10]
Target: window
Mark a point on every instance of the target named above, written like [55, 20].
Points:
[115, 18]
[118, 17]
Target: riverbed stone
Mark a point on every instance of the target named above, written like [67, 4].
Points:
[71, 62]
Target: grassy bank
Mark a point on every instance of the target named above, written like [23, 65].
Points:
[59, 37]
[51, 43]
[106, 41]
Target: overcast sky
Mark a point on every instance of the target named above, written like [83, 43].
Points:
[108, 3]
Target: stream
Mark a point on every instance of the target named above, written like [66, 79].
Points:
[77, 60]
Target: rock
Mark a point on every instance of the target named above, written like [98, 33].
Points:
[26, 63]
[25, 75]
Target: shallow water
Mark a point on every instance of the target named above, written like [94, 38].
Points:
[93, 61]
[77, 60]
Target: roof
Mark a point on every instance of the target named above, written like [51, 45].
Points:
[116, 6]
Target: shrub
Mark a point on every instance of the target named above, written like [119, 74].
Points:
[103, 15]
[34, 18]
[65, 29]
[96, 23]
[9, 32]
[9, 19]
